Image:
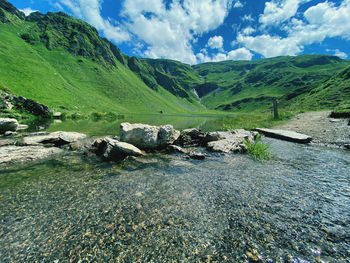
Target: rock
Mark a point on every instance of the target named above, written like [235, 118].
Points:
[22, 127]
[286, 135]
[191, 137]
[347, 146]
[57, 115]
[212, 137]
[175, 149]
[113, 150]
[17, 154]
[58, 138]
[4, 104]
[167, 135]
[8, 124]
[232, 141]
[197, 156]
[146, 136]
[10, 133]
[32, 106]
[7, 142]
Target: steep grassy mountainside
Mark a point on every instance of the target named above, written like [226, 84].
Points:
[62, 62]
[251, 85]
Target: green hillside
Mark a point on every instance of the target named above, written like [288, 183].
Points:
[251, 85]
[62, 62]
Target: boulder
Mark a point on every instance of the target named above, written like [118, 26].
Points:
[175, 149]
[286, 135]
[113, 150]
[8, 124]
[231, 141]
[16, 154]
[146, 136]
[32, 106]
[57, 139]
[191, 137]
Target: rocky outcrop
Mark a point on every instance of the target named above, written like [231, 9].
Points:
[286, 135]
[148, 137]
[230, 141]
[57, 139]
[33, 107]
[17, 154]
[8, 124]
[112, 150]
[191, 137]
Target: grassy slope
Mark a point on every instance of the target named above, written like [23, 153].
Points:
[57, 78]
[250, 85]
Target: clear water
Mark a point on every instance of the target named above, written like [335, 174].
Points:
[111, 127]
[170, 209]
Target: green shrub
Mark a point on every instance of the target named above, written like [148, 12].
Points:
[258, 150]
[4, 88]
[97, 115]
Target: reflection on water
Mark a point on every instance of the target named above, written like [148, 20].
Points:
[111, 127]
[166, 208]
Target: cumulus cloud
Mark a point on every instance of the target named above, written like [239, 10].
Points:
[248, 30]
[324, 20]
[238, 4]
[215, 42]
[340, 54]
[248, 18]
[27, 11]
[169, 31]
[277, 12]
[237, 54]
[90, 11]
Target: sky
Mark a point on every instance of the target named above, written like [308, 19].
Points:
[197, 31]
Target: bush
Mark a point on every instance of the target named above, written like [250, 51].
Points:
[97, 115]
[4, 88]
[258, 150]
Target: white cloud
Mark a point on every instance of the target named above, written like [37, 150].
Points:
[322, 21]
[277, 12]
[238, 4]
[270, 46]
[340, 54]
[170, 32]
[248, 18]
[248, 30]
[240, 54]
[237, 54]
[90, 11]
[27, 11]
[215, 42]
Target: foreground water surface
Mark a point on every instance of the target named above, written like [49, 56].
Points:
[293, 208]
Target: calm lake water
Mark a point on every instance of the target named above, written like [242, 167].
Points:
[111, 127]
[165, 208]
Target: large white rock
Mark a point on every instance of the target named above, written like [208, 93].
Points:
[8, 124]
[57, 138]
[146, 136]
[113, 150]
[17, 154]
[231, 141]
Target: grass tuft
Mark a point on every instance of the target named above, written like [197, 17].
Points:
[258, 150]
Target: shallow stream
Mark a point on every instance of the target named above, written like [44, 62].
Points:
[165, 208]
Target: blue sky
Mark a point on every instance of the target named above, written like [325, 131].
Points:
[196, 31]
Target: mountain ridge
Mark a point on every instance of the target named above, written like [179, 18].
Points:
[92, 68]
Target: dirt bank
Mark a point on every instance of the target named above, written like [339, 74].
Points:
[323, 129]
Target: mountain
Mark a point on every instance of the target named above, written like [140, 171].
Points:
[61, 61]
[251, 85]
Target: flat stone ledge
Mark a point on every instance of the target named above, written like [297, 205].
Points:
[285, 135]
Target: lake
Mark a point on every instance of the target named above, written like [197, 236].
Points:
[166, 208]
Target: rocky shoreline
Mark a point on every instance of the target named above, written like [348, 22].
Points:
[135, 140]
